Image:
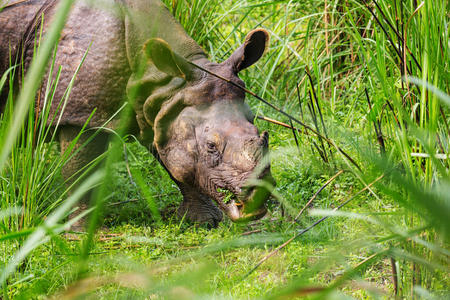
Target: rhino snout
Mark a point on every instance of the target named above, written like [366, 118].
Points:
[255, 148]
[249, 203]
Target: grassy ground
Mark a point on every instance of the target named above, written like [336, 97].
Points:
[337, 66]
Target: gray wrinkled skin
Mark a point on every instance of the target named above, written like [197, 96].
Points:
[197, 125]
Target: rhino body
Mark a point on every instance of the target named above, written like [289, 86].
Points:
[197, 125]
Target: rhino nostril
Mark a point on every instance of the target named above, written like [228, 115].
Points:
[264, 139]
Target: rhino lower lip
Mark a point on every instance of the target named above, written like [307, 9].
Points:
[235, 207]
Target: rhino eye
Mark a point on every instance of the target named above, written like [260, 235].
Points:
[211, 147]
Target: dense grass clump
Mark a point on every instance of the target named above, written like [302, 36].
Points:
[365, 86]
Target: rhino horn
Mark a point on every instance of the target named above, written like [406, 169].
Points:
[250, 52]
[168, 61]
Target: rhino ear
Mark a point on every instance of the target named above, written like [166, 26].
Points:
[166, 60]
[251, 51]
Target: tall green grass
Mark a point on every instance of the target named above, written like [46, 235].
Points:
[370, 76]
[366, 67]
[33, 196]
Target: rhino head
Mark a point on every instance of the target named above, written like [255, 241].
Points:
[204, 133]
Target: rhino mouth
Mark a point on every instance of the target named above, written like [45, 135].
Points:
[246, 203]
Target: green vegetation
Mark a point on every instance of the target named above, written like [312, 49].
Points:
[228, 195]
[371, 78]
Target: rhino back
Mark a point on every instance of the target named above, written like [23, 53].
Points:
[101, 81]
[113, 33]
[14, 20]
[98, 31]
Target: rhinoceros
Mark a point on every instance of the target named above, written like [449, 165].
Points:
[196, 124]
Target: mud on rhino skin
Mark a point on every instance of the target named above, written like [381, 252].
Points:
[198, 126]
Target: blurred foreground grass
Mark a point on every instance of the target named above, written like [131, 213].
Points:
[359, 72]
